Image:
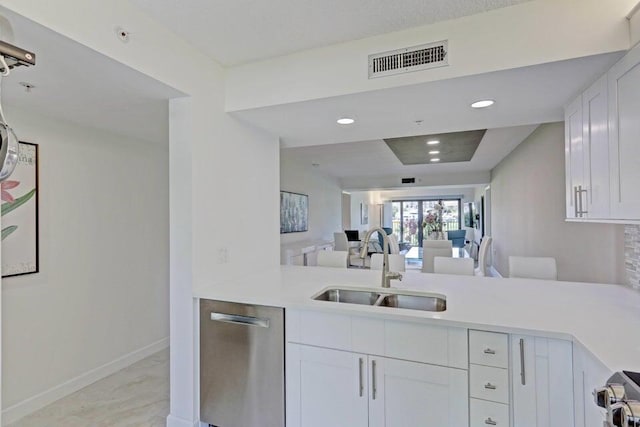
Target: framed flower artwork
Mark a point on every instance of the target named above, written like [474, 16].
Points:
[20, 215]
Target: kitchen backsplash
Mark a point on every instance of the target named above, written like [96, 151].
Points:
[632, 255]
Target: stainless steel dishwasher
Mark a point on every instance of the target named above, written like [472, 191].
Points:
[241, 365]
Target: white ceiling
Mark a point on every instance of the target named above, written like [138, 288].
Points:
[78, 85]
[524, 96]
[374, 158]
[238, 31]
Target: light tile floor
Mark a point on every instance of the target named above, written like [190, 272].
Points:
[137, 396]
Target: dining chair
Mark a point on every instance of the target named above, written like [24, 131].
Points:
[394, 246]
[432, 249]
[543, 268]
[482, 256]
[459, 266]
[335, 259]
[340, 242]
[396, 262]
[457, 237]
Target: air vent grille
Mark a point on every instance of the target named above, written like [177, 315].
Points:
[415, 58]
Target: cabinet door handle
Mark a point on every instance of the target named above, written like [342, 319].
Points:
[490, 422]
[489, 386]
[374, 386]
[361, 382]
[523, 378]
[489, 351]
[580, 191]
[575, 201]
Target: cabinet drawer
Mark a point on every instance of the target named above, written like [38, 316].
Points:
[489, 349]
[489, 383]
[486, 414]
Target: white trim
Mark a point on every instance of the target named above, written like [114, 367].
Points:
[40, 400]
[173, 421]
[635, 10]
[494, 272]
[604, 221]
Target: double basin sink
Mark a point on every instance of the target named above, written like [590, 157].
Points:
[383, 297]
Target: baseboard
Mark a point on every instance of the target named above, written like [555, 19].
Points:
[40, 400]
[494, 272]
[173, 421]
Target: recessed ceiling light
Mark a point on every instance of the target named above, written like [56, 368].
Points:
[435, 159]
[345, 121]
[434, 152]
[483, 103]
[434, 142]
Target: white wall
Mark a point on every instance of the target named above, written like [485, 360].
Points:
[513, 34]
[528, 211]
[325, 198]
[216, 164]
[103, 287]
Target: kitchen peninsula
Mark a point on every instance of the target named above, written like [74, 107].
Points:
[504, 350]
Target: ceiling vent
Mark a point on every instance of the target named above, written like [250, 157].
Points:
[409, 59]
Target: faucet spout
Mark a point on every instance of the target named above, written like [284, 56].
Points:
[386, 249]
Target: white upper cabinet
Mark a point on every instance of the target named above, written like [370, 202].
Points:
[595, 134]
[574, 157]
[624, 136]
[587, 154]
[602, 147]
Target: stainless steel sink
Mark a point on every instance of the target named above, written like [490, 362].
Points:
[349, 296]
[414, 302]
[385, 298]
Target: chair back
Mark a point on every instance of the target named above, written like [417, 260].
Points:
[543, 268]
[432, 249]
[457, 237]
[335, 259]
[482, 255]
[340, 242]
[396, 262]
[394, 246]
[441, 244]
[380, 238]
[460, 266]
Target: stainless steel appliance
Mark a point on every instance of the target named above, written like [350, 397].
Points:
[621, 398]
[241, 365]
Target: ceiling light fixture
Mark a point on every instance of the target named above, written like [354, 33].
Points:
[483, 103]
[434, 152]
[434, 142]
[345, 121]
[435, 159]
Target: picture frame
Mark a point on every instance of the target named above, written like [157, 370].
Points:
[20, 215]
[294, 212]
[364, 213]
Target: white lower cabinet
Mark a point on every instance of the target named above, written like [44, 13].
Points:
[326, 387]
[410, 394]
[542, 382]
[336, 388]
[484, 414]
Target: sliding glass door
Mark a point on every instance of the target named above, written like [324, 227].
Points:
[408, 216]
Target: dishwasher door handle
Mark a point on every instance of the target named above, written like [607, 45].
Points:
[239, 319]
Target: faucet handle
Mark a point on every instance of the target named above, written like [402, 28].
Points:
[394, 276]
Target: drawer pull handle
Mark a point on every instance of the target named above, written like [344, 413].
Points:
[490, 422]
[489, 351]
[489, 386]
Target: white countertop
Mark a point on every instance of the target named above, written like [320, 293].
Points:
[605, 319]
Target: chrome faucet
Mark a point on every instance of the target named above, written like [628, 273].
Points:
[387, 276]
